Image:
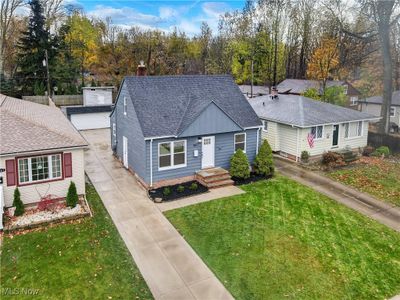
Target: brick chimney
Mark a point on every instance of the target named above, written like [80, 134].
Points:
[141, 69]
[274, 93]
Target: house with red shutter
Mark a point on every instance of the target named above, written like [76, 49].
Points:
[41, 152]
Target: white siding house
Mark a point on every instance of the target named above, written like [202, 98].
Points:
[293, 124]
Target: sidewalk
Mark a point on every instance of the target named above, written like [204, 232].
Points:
[170, 267]
[378, 210]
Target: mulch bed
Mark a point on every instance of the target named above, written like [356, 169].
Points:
[187, 192]
[253, 178]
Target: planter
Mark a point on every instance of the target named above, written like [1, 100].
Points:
[173, 192]
[253, 178]
[11, 211]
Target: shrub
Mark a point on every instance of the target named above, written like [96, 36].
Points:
[180, 189]
[72, 195]
[194, 186]
[17, 202]
[166, 191]
[381, 151]
[263, 163]
[305, 156]
[368, 150]
[240, 165]
[332, 159]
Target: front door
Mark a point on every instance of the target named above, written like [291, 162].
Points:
[207, 149]
[335, 136]
[125, 151]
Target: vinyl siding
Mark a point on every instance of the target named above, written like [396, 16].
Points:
[224, 149]
[271, 135]
[128, 126]
[375, 109]
[30, 193]
[287, 136]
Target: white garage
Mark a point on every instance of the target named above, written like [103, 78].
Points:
[85, 117]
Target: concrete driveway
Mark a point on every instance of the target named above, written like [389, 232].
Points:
[168, 264]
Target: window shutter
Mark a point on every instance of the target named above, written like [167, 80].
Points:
[67, 165]
[11, 172]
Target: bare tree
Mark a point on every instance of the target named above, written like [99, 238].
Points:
[7, 12]
[54, 11]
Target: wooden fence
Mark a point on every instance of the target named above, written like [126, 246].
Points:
[59, 100]
[378, 139]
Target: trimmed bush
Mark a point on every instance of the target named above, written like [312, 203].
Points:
[333, 159]
[305, 156]
[240, 167]
[17, 202]
[180, 189]
[166, 191]
[381, 151]
[72, 195]
[263, 163]
[194, 186]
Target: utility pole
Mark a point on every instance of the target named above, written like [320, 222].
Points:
[252, 77]
[46, 63]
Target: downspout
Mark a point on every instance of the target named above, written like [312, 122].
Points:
[258, 137]
[151, 162]
[297, 145]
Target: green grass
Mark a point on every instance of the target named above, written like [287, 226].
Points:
[86, 260]
[282, 240]
[380, 178]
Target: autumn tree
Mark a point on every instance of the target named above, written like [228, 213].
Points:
[323, 62]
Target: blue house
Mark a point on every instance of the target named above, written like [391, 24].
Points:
[166, 129]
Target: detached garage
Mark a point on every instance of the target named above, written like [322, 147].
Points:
[89, 117]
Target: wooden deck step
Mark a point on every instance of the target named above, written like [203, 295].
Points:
[214, 177]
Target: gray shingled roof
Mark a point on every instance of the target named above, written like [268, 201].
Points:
[304, 112]
[379, 99]
[299, 86]
[165, 105]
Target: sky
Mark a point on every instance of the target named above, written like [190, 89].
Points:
[164, 15]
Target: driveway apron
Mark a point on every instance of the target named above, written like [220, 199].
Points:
[170, 267]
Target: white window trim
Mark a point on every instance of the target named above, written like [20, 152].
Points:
[125, 106]
[245, 141]
[172, 156]
[316, 131]
[50, 167]
[394, 112]
[353, 103]
[357, 136]
[263, 127]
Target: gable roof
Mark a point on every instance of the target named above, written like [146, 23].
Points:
[379, 99]
[27, 127]
[258, 90]
[301, 111]
[299, 86]
[166, 105]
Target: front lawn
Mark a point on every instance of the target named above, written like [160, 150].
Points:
[84, 260]
[380, 178]
[282, 240]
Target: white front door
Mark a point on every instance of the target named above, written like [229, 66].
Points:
[207, 149]
[125, 151]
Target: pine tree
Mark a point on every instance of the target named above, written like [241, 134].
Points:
[32, 45]
[263, 163]
[240, 167]
[17, 203]
[72, 195]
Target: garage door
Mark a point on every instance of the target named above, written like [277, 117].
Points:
[91, 121]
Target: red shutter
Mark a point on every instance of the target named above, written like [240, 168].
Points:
[11, 172]
[67, 165]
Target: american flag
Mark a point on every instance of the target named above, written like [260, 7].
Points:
[310, 140]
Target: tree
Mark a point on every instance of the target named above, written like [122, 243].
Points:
[17, 203]
[312, 93]
[72, 195]
[263, 163]
[240, 167]
[323, 62]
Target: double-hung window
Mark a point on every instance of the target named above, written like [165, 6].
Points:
[172, 155]
[265, 125]
[317, 132]
[353, 129]
[240, 141]
[392, 111]
[39, 168]
[353, 100]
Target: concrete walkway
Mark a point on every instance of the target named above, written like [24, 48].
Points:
[170, 267]
[382, 212]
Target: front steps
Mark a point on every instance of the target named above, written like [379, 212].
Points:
[214, 177]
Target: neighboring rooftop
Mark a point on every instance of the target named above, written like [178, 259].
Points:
[27, 126]
[165, 105]
[301, 111]
[379, 99]
[258, 90]
[98, 87]
[299, 86]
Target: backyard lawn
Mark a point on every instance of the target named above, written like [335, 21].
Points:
[86, 260]
[380, 178]
[282, 240]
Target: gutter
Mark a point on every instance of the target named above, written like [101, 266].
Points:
[151, 163]
[44, 150]
[258, 137]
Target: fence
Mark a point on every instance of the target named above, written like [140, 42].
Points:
[59, 100]
[378, 139]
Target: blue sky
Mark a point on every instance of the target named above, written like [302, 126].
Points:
[185, 15]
